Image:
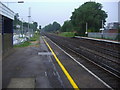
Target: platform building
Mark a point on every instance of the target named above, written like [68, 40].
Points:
[119, 11]
[6, 30]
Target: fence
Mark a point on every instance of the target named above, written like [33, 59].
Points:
[25, 32]
[112, 36]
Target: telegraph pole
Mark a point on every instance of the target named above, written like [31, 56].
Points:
[29, 16]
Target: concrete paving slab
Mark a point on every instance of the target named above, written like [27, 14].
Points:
[42, 82]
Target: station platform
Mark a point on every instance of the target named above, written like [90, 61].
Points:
[36, 67]
[103, 40]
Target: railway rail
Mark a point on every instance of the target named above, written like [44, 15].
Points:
[94, 56]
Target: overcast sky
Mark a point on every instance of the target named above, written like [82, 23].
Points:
[48, 11]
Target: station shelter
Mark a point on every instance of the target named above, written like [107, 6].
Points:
[6, 30]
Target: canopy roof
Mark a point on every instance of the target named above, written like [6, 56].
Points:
[5, 11]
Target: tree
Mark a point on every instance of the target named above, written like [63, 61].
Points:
[67, 26]
[90, 12]
[16, 21]
[39, 26]
[56, 26]
[25, 24]
[35, 25]
[52, 27]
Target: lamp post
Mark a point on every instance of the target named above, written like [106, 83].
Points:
[102, 28]
[86, 28]
[20, 1]
[13, 2]
[29, 17]
[22, 26]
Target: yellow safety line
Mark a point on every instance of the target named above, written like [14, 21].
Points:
[63, 68]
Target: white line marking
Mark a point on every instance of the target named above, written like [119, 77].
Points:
[44, 53]
[82, 65]
[59, 78]
[46, 74]
[49, 60]
[54, 73]
[99, 39]
[95, 63]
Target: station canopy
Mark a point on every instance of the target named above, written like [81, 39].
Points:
[5, 11]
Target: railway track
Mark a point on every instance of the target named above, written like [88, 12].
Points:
[107, 48]
[102, 64]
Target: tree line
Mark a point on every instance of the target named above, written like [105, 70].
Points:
[52, 27]
[89, 12]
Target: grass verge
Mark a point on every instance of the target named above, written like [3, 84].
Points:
[35, 37]
[67, 34]
[24, 44]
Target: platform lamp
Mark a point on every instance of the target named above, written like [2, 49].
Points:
[86, 29]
